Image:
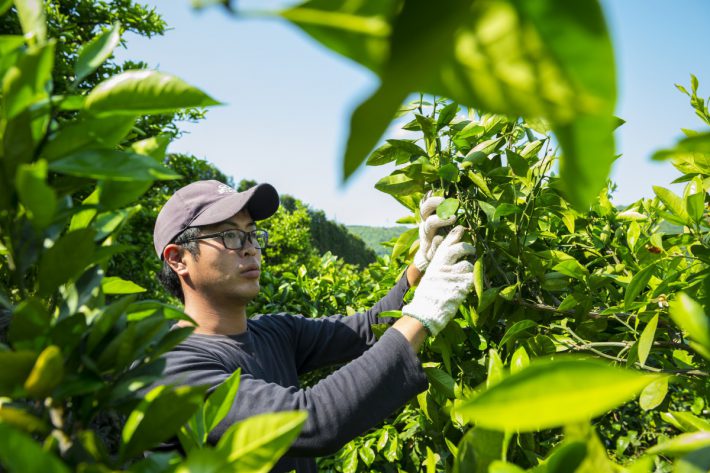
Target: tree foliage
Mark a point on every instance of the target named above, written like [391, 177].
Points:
[551, 282]
[77, 346]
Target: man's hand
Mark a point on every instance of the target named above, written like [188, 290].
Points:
[429, 224]
[445, 284]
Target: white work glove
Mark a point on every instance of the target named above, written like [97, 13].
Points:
[429, 224]
[445, 285]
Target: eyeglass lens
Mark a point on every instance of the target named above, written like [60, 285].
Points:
[236, 239]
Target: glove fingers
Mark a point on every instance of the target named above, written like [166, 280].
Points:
[434, 222]
[435, 242]
[429, 205]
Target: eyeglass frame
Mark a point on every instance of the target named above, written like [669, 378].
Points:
[246, 235]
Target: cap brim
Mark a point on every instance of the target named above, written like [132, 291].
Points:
[262, 201]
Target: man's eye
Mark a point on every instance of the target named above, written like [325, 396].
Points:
[231, 235]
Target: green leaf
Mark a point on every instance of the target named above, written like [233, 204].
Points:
[682, 444]
[632, 235]
[695, 203]
[673, 203]
[653, 395]
[488, 297]
[366, 454]
[398, 184]
[478, 277]
[20, 453]
[449, 173]
[30, 320]
[517, 163]
[441, 381]
[256, 443]
[88, 132]
[21, 419]
[566, 457]
[158, 417]
[505, 209]
[685, 421]
[583, 389]
[144, 92]
[46, 374]
[690, 316]
[386, 154]
[480, 182]
[5, 6]
[115, 285]
[571, 268]
[697, 461]
[33, 21]
[638, 283]
[96, 51]
[519, 361]
[404, 242]
[16, 366]
[478, 449]
[35, 194]
[516, 330]
[447, 208]
[446, 115]
[588, 145]
[112, 165]
[357, 31]
[65, 260]
[201, 460]
[496, 368]
[26, 82]
[646, 339]
[220, 402]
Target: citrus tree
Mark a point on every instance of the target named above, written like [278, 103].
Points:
[584, 346]
[76, 347]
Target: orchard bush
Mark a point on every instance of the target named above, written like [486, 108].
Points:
[584, 346]
[77, 346]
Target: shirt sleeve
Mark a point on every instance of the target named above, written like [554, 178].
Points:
[353, 399]
[336, 339]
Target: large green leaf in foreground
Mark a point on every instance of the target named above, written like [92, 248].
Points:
[549, 58]
[554, 393]
[144, 92]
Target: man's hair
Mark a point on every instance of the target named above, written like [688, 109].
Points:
[167, 277]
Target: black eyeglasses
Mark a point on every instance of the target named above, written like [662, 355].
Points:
[236, 239]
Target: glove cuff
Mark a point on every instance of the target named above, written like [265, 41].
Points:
[420, 261]
[423, 312]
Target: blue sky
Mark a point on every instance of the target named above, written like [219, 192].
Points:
[288, 99]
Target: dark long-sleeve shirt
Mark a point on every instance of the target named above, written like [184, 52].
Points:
[277, 348]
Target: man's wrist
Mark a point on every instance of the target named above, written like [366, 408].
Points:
[413, 330]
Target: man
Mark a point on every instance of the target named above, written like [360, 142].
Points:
[207, 237]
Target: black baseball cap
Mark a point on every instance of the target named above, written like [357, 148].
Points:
[207, 203]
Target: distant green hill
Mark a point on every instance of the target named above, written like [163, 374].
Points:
[375, 236]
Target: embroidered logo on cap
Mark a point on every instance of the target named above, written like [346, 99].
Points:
[225, 189]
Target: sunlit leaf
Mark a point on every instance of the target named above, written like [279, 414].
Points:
[21, 453]
[112, 165]
[690, 316]
[583, 389]
[653, 395]
[256, 443]
[638, 283]
[158, 417]
[646, 339]
[683, 443]
[144, 92]
[96, 51]
[220, 402]
[115, 285]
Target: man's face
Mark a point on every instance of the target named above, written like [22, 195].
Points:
[221, 273]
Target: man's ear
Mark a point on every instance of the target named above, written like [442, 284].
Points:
[174, 255]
